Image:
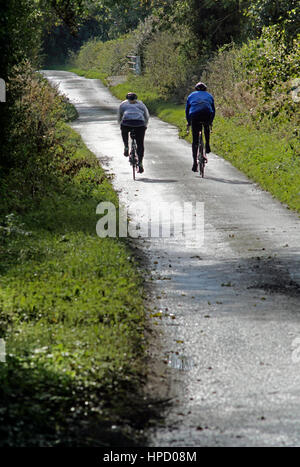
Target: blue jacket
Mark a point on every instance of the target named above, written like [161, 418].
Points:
[199, 101]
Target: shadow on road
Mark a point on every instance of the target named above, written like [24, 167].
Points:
[157, 180]
[233, 182]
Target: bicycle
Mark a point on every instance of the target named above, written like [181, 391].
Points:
[133, 157]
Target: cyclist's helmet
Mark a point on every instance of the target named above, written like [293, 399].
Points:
[131, 96]
[200, 87]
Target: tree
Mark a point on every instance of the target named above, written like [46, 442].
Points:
[19, 33]
[283, 13]
[22, 22]
[209, 23]
[70, 12]
[103, 19]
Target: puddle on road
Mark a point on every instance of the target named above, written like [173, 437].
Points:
[181, 362]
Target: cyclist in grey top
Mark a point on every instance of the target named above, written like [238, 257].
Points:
[133, 114]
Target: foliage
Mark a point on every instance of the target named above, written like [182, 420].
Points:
[19, 34]
[104, 20]
[283, 13]
[165, 67]
[143, 35]
[125, 15]
[106, 57]
[225, 76]
[22, 23]
[31, 147]
[270, 60]
[209, 24]
[70, 12]
[59, 43]
[254, 82]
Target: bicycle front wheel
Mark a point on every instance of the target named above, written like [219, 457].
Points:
[132, 160]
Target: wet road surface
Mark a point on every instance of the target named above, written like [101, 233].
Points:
[227, 311]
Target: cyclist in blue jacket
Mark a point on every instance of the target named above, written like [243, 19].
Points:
[200, 109]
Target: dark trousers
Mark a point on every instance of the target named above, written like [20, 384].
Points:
[139, 136]
[203, 118]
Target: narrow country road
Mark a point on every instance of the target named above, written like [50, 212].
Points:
[228, 313]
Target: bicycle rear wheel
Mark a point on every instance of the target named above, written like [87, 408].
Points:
[201, 168]
[133, 155]
[132, 161]
[201, 158]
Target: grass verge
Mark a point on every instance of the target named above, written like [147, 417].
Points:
[269, 160]
[72, 317]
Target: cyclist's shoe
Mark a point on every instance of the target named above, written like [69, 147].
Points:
[141, 168]
[207, 148]
[195, 167]
[126, 152]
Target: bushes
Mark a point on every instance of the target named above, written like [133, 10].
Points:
[165, 67]
[270, 61]
[106, 57]
[283, 13]
[20, 33]
[271, 65]
[32, 147]
[253, 83]
[226, 79]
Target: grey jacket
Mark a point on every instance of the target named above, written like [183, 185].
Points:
[133, 113]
